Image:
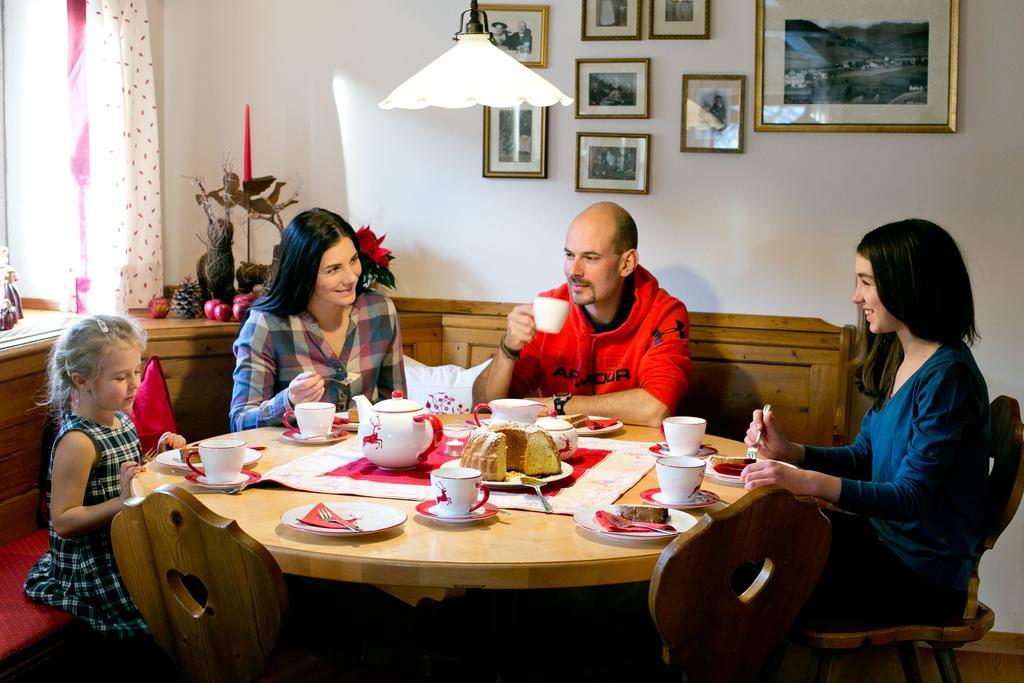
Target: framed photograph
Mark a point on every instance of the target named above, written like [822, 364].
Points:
[713, 114]
[613, 88]
[516, 142]
[613, 162]
[679, 19]
[521, 31]
[610, 20]
[867, 67]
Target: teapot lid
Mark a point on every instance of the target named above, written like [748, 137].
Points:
[553, 424]
[398, 403]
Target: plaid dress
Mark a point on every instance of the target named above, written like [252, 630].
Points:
[271, 350]
[79, 575]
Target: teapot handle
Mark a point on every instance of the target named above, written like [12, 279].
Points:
[477, 409]
[435, 438]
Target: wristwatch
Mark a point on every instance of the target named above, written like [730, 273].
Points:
[560, 398]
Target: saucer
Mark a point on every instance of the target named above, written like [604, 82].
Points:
[427, 509]
[704, 498]
[703, 452]
[244, 479]
[173, 459]
[292, 435]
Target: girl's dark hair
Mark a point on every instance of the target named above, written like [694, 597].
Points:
[303, 244]
[922, 281]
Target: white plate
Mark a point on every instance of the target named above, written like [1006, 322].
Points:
[584, 431]
[513, 479]
[680, 520]
[173, 459]
[348, 427]
[372, 518]
[734, 479]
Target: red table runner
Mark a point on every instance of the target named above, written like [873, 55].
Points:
[363, 469]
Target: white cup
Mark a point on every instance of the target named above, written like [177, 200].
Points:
[222, 460]
[684, 434]
[549, 314]
[679, 478]
[456, 491]
[314, 419]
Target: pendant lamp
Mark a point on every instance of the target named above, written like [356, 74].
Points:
[475, 71]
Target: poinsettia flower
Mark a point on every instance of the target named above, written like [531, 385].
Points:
[370, 246]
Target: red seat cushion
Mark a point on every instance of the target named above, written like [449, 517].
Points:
[22, 621]
[151, 410]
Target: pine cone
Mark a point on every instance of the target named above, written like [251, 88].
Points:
[187, 301]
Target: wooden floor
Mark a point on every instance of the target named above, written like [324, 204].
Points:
[882, 665]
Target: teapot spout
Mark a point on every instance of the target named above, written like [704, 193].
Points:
[364, 407]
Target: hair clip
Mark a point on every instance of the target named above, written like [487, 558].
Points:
[103, 326]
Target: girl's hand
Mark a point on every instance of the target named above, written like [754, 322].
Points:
[773, 444]
[797, 481]
[170, 441]
[128, 472]
[306, 387]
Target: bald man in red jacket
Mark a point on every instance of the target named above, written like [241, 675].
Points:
[624, 349]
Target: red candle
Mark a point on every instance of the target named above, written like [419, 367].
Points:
[247, 150]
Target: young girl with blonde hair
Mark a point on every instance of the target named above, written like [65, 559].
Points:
[94, 371]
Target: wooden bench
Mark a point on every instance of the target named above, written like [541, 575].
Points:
[799, 365]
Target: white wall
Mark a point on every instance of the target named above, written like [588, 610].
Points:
[771, 231]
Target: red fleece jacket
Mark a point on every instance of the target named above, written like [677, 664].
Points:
[651, 350]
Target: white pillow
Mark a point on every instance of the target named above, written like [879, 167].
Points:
[442, 388]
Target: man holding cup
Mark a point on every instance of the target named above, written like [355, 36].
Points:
[623, 349]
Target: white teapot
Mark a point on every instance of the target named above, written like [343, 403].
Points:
[396, 433]
[562, 433]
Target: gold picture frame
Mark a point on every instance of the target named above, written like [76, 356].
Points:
[512, 148]
[613, 88]
[610, 20]
[613, 162]
[714, 112]
[524, 44]
[679, 19]
[828, 66]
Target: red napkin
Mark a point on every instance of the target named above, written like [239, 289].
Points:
[731, 469]
[599, 424]
[605, 520]
[313, 518]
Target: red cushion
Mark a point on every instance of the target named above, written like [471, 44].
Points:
[152, 411]
[22, 621]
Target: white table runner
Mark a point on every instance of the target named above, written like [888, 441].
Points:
[602, 484]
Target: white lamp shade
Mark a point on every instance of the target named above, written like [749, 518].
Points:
[474, 72]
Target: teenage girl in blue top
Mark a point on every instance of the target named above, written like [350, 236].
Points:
[914, 478]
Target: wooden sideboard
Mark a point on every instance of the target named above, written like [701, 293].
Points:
[799, 365]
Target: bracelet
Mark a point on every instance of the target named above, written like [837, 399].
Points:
[509, 353]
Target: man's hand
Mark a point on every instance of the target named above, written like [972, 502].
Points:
[521, 328]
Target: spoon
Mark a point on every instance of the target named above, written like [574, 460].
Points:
[535, 484]
[752, 451]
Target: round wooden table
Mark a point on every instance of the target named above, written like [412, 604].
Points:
[424, 558]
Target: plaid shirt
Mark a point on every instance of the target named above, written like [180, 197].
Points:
[271, 350]
[79, 575]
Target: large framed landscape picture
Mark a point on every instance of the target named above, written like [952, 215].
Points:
[613, 162]
[871, 66]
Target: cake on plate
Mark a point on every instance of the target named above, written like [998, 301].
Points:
[508, 446]
[643, 513]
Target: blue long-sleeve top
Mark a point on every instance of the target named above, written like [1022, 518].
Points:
[918, 467]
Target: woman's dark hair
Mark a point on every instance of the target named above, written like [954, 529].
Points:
[922, 281]
[303, 244]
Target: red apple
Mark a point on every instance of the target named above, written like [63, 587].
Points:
[239, 309]
[244, 298]
[209, 307]
[159, 307]
[222, 312]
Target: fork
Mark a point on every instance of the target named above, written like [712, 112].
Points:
[328, 516]
[620, 521]
[147, 457]
[752, 451]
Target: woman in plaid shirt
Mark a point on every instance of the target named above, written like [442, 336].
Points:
[316, 334]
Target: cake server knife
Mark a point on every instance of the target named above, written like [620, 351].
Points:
[535, 484]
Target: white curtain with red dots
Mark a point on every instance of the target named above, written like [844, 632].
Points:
[122, 208]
